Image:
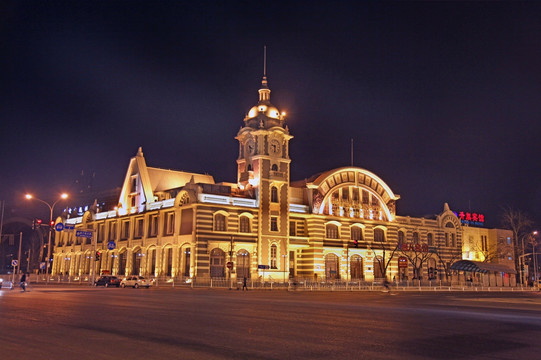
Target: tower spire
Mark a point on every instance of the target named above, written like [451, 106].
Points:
[264, 92]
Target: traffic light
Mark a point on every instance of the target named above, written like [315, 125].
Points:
[51, 223]
[97, 256]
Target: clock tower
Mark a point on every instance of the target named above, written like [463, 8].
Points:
[263, 167]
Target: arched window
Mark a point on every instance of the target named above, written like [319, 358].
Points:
[244, 224]
[356, 233]
[274, 194]
[332, 267]
[356, 267]
[249, 167]
[273, 257]
[430, 239]
[401, 238]
[332, 231]
[274, 167]
[220, 222]
[217, 263]
[379, 235]
[243, 264]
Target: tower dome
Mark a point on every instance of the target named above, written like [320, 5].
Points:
[264, 115]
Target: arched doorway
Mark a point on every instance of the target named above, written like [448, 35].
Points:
[243, 264]
[217, 263]
[151, 259]
[332, 266]
[356, 267]
[378, 267]
[185, 260]
[168, 261]
[122, 257]
[136, 262]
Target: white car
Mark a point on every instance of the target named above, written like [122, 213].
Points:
[135, 281]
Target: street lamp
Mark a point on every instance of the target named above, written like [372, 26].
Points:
[534, 244]
[51, 208]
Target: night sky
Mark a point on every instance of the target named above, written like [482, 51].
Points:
[442, 99]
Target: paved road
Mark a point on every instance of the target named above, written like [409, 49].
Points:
[96, 323]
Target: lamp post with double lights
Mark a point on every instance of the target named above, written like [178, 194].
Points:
[51, 208]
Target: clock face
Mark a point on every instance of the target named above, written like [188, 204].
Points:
[250, 147]
[274, 146]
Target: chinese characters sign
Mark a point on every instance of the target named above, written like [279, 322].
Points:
[469, 218]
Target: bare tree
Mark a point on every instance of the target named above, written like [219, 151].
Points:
[417, 254]
[519, 223]
[387, 254]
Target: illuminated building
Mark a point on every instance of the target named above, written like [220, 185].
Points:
[340, 224]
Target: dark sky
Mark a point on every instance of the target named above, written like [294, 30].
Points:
[442, 99]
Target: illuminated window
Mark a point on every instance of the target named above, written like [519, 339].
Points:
[379, 235]
[244, 224]
[220, 222]
[356, 233]
[292, 228]
[153, 226]
[125, 230]
[138, 233]
[400, 237]
[169, 223]
[274, 194]
[274, 223]
[273, 257]
[332, 231]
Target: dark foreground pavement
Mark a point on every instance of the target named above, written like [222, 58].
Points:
[58, 322]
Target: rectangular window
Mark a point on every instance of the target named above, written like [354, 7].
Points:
[274, 223]
[273, 257]
[112, 231]
[169, 223]
[292, 228]
[101, 232]
[138, 231]
[365, 197]
[446, 239]
[153, 226]
[125, 230]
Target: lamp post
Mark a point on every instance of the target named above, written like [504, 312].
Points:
[51, 208]
[534, 243]
[284, 256]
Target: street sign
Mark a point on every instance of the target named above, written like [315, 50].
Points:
[69, 227]
[111, 245]
[14, 262]
[264, 267]
[229, 264]
[59, 227]
[85, 234]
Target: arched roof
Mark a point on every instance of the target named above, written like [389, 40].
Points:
[358, 176]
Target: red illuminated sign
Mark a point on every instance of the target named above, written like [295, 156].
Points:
[471, 218]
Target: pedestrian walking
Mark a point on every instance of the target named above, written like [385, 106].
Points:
[244, 284]
[22, 282]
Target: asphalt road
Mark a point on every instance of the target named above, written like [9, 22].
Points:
[62, 322]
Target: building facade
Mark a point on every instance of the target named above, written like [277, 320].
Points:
[340, 224]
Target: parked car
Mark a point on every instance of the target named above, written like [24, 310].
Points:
[107, 280]
[135, 281]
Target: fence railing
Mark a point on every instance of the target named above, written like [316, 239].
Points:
[292, 284]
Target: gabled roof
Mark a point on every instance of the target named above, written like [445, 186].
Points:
[163, 179]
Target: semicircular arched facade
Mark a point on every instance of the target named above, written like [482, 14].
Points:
[353, 192]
